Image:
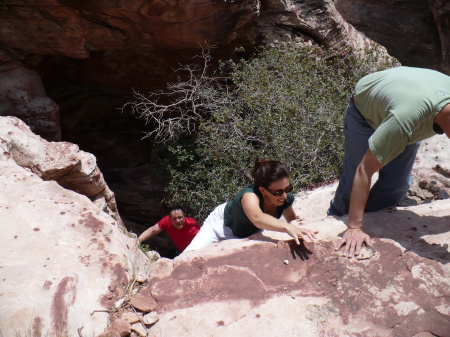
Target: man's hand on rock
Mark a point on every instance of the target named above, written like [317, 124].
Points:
[353, 240]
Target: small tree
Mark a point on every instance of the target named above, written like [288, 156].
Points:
[175, 113]
[287, 103]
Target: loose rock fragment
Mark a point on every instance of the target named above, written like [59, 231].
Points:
[153, 255]
[143, 303]
[366, 253]
[151, 318]
[442, 194]
[423, 184]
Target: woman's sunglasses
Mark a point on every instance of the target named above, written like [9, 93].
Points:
[277, 193]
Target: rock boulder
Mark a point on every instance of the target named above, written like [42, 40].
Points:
[65, 257]
[268, 286]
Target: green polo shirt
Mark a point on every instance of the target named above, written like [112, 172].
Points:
[236, 219]
[400, 105]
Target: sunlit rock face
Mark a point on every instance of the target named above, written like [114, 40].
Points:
[266, 285]
[67, 261]
[65, 256]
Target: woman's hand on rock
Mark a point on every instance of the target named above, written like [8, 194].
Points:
[308, 235]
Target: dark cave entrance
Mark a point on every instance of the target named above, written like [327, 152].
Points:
[91, 117]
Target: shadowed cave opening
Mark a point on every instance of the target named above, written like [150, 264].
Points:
[91, 117]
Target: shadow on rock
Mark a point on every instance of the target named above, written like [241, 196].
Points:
[300, 250]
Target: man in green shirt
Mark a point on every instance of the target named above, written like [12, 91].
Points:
[389, 113]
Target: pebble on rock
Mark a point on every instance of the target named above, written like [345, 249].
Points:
[143, 303]
[366, 252]
[141, 278]
[151, 318]
[443, 194]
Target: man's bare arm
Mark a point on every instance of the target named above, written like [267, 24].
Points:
[354, 237]
[149, 233]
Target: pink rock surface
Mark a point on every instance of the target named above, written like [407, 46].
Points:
[433, 161]
[248, 290]
[64, 259]
[119, 328]
[62, 162]
[131, 317]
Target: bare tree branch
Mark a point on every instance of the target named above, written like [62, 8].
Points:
[188, 101]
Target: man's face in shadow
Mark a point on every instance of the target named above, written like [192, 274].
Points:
[177, 218]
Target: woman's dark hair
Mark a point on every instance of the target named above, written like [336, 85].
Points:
[265, 172]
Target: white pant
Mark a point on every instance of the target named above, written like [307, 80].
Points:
[213, 230]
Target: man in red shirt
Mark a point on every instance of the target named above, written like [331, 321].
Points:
[181, 229]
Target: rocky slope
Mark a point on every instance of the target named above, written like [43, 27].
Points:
[64, 255]
[266, 286]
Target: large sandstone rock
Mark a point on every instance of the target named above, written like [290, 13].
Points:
[139, 43]
[65, 258]
[62, 162]
[267, 286]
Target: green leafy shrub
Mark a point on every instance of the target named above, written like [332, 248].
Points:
[287, 103]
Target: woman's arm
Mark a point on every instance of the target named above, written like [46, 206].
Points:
[291, 217]
[250, 204]
[289, 214]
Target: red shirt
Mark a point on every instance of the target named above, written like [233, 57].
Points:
[180, 237]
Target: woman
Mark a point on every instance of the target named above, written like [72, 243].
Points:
[256, 207]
